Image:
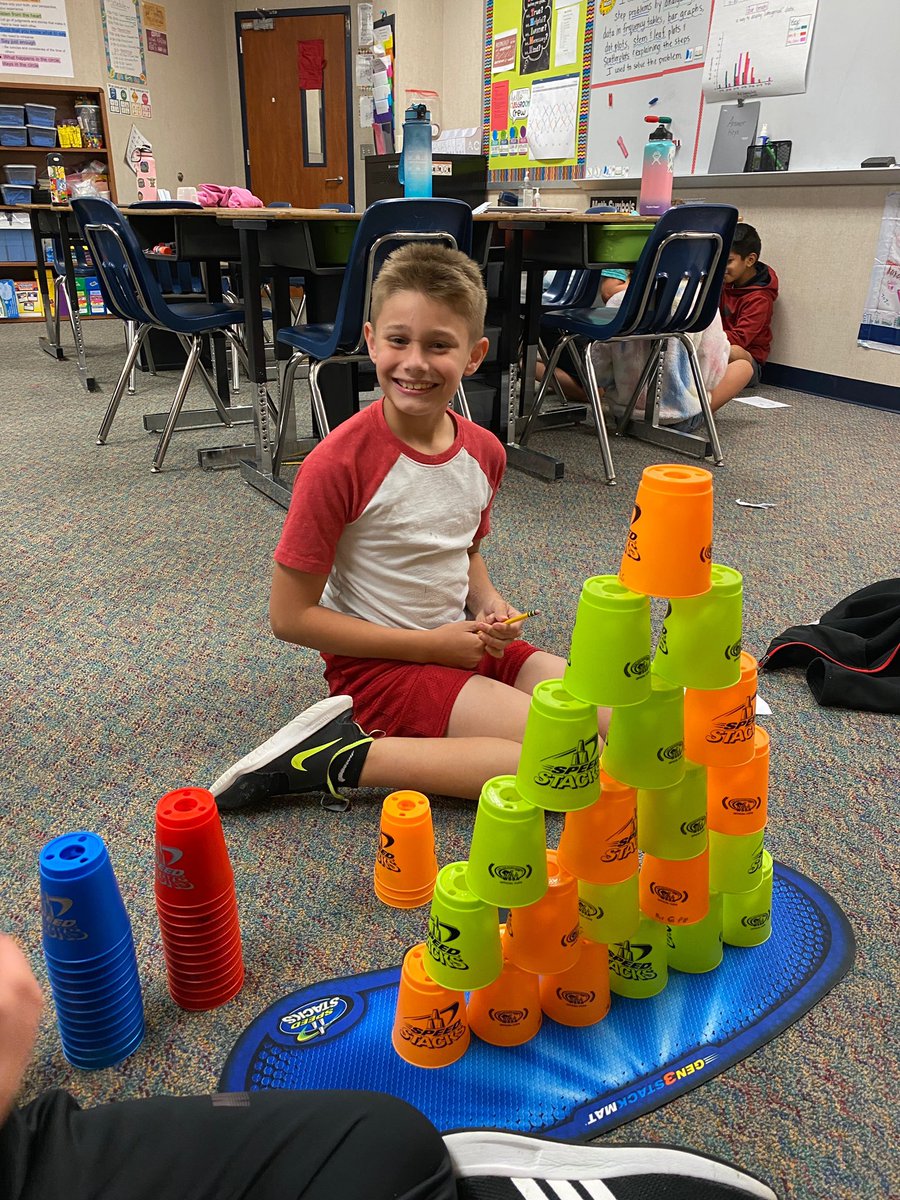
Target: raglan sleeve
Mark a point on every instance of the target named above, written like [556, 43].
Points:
[319, 511]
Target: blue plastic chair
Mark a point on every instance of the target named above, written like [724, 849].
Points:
[133, 293]
[383, 227]
[674, 291]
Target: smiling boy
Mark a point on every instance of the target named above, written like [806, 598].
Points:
[379, 568]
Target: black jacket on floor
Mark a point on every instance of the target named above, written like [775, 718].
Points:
[852, 657]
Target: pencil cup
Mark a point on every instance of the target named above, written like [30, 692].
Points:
[739, 796]
[430, 1026]
[462, 950]
[672, 821]
[89, 952]
[508, 1011]
[508, 852]
[719, 726]
[747, 917]
[599, 844]
[735, 861]
[669, 547]
[196, 904]
[609, 658]
[405, 862]
[609, 912]
[700, 642]
[559, 765]
[579, 996]
[645, 743]
[638, 966]
[544, 938]
[696, 949]
[675, 892]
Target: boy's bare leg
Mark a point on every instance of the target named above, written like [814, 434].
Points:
[737, 375]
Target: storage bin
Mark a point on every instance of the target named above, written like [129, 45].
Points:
[40, 114]
[331, 241]
[14, 193]
[12, 114]
[21, 173]
[13, 135]
[617, 243]
[16, 242]
[40, 135]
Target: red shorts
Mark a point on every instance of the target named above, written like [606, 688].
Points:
[411, 699]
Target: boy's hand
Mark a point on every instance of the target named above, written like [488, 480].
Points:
[494, 635]
[20, 1011]
[458, 644]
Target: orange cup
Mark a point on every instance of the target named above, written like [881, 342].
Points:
[405, 863]
[675, 892]
[579, 996]
[719, 725]
[508, 1011]
[669, 547]
[430, 1026]
[544, 937]
[738, 797]
[599, 844]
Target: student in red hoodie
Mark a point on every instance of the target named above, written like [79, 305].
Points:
[748, 298]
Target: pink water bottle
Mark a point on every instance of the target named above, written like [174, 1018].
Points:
[145, 169]
[658, 170]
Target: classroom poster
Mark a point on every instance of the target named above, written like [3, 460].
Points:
[123, 39]
[34, 38]
[536, 73]
[758, 48]
[880, 328]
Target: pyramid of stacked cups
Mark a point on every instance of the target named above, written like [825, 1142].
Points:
[682, 779]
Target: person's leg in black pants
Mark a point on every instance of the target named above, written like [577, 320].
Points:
[277, 1145]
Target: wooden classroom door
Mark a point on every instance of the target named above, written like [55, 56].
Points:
[296, 135]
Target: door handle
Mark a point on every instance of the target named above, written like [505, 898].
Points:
[337, 179]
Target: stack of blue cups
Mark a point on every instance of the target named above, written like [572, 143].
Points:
[89, 950]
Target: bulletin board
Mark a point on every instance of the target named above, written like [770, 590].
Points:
[537, 68]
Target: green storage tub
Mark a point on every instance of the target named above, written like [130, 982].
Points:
[331, 241]
[617, 243]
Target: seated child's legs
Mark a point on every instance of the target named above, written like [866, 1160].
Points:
[739, 373]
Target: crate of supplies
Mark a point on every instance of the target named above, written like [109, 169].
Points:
[23, 173]
[15, 193]
[40, 114]
[13, 135]
[41, 135]
[617, 243]
[16, 242]
[12, 114]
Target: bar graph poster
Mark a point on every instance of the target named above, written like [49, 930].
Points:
[535, 103]
[758, 48]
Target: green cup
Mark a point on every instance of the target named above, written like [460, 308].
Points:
[700, 643]
[508, 852]
[735, 861]
[609, 912]
[747, 917]
[559, 767]
[645, 743]
[696, 949]
[609, 658]
[638, 967]
[462, 948]
[672, 821]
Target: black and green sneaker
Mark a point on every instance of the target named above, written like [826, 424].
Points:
[321, 750]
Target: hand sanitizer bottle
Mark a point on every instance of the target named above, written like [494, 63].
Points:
[527, 192]
[659, 168]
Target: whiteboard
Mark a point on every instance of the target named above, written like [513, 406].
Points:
[849, 112]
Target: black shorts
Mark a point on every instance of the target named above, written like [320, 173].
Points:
[277, 1145]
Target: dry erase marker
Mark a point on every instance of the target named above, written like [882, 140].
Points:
[535, 612]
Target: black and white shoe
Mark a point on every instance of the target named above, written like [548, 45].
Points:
[312, 753]
[505, 1166]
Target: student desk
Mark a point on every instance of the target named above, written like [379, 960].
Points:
[315, 243]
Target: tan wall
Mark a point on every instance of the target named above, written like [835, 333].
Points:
[189, 95]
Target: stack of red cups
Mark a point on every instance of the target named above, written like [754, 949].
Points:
[196, 902]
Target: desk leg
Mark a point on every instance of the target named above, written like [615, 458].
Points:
[68, 243]
[49, 344]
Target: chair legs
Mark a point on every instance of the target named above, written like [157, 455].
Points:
[175, 411]
[462, 403]
[137, 340]
[705, 406]
[622, 423]
[285, 407]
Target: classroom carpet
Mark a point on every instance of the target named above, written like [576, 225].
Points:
[566, 1082]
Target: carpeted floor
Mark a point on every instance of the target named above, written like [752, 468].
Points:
[137, 657]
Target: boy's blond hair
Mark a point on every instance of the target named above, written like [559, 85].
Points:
[446, 276]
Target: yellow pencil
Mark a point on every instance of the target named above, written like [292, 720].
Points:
[535, 612]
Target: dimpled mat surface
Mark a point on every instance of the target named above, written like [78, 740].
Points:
[573, 1083]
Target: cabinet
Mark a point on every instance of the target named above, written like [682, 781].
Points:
[17, 261]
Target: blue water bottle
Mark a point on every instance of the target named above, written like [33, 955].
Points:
[415, 159]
